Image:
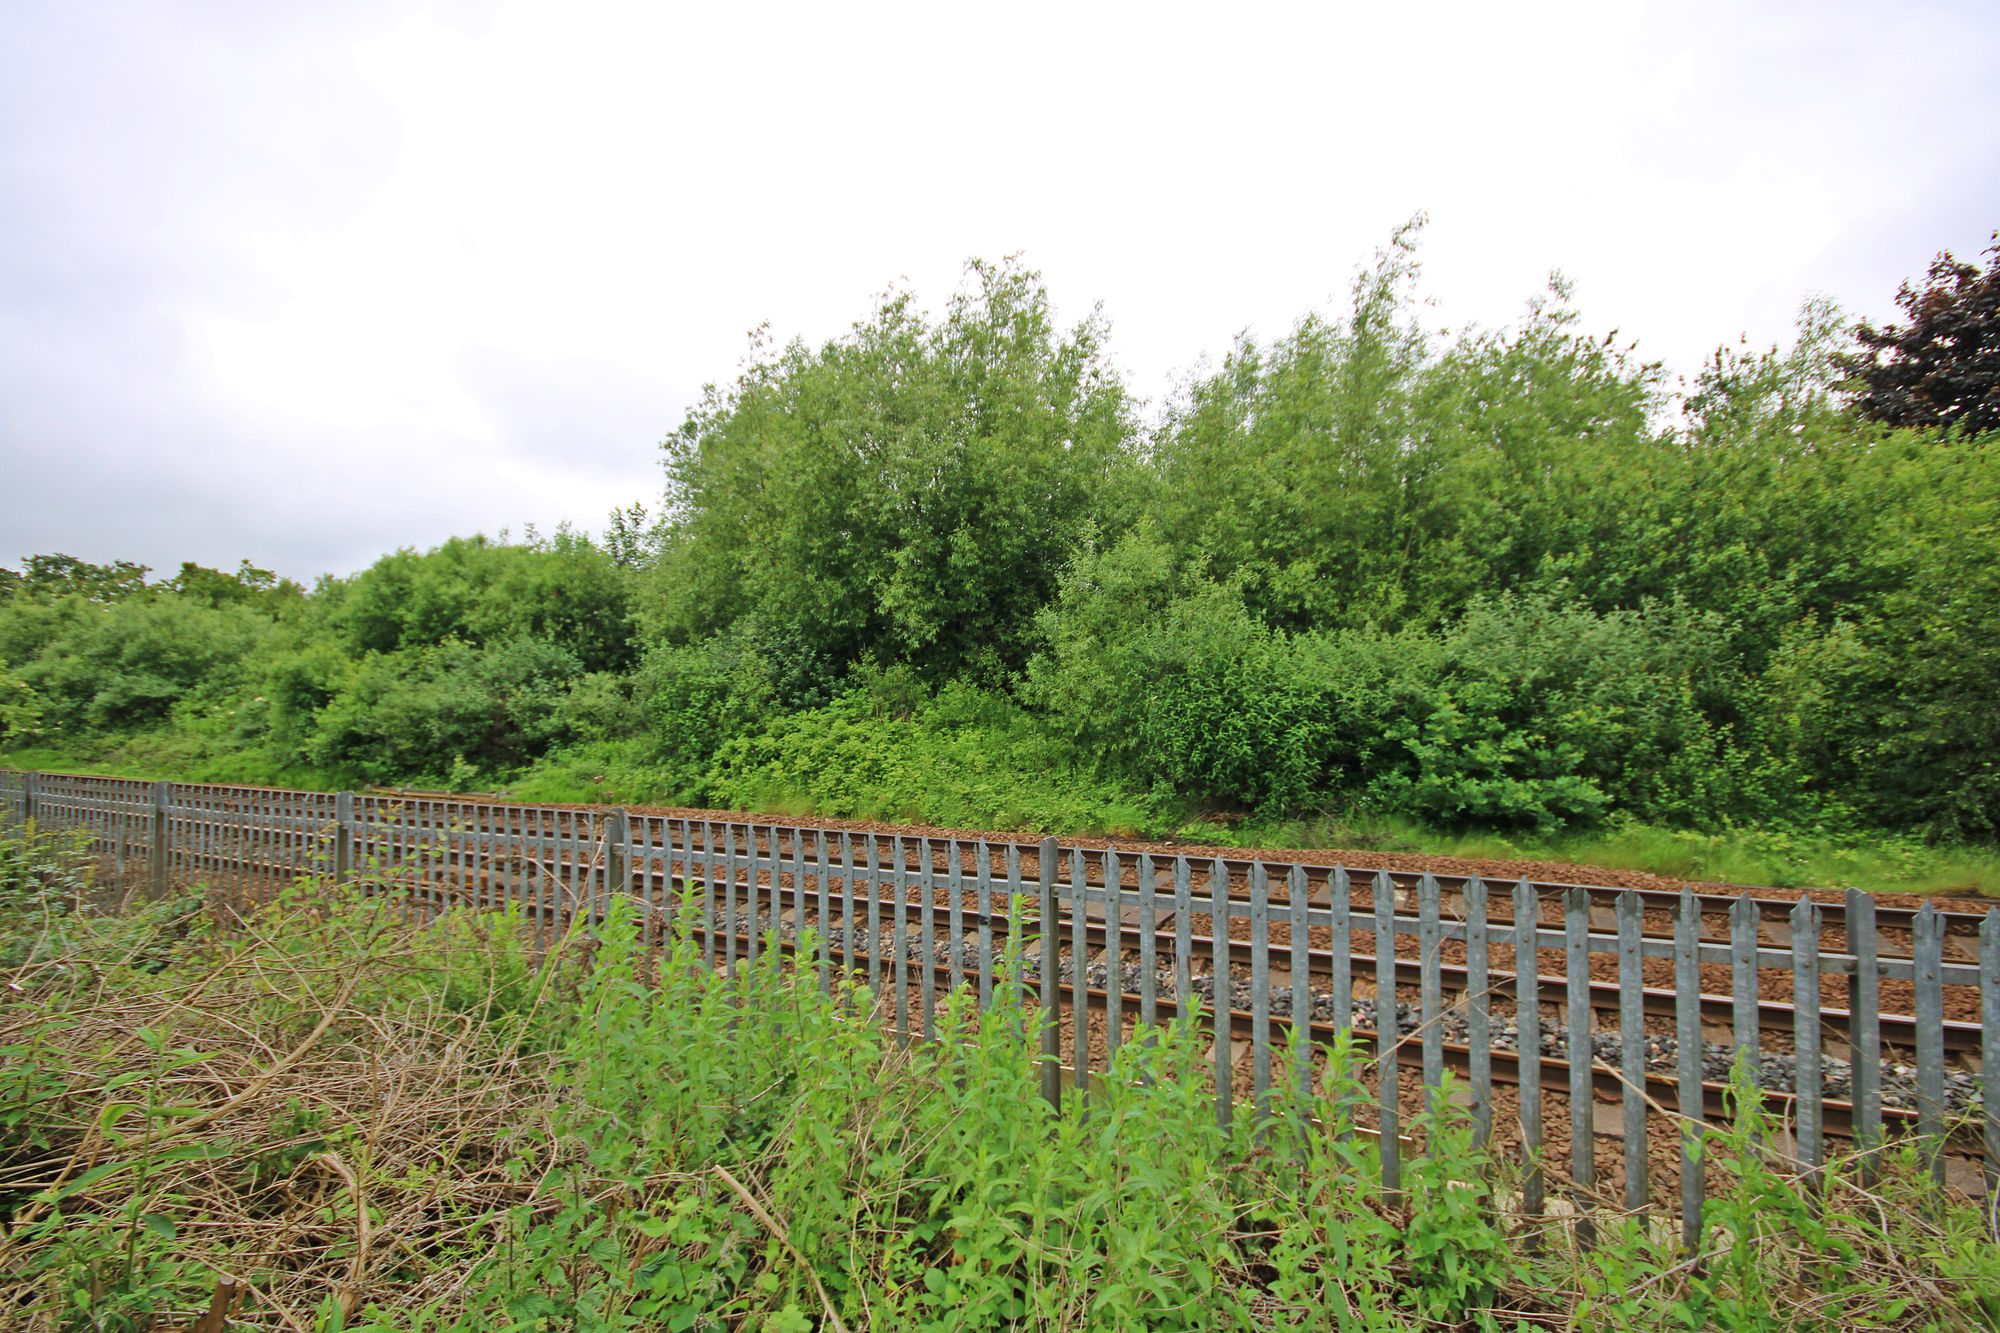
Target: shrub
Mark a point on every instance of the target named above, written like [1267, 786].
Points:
[129, 664]
[413, 715]
[1543, 713]
[562, 590]
[1166, 679]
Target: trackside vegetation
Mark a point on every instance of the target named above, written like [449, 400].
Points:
[320, 1115]
[1363, 583]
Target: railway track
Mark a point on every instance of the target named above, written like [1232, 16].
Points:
[1118, 906]
[1773, 909]
[1956, 921]
[475, 839]
[1775, 1018]
[1504, 1064]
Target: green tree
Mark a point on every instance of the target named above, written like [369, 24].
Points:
[422, 713]
[1891, 700]
[247, 585]
[907, 492]
[129, 664]
[1360, 472]
[47, 576]
[563, 589]
[1289, 470]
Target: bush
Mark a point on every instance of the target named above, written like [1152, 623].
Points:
[906, 493]
[128, 665]
[419, 714]
[1167, 680]
[1543, 713]
[598, 706]
[562, 590]
[695, 699]
[966, 759]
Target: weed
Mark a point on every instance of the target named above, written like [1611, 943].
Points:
[381, 1123]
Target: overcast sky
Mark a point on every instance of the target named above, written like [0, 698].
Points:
[305, 283]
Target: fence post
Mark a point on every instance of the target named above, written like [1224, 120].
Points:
[1223, 991]
[1388, 1038]
[1688, 1051]
[1583, 1161]
[162, 838]
[1051, 1013]
[1927, 946]
[29, 813]
[1079, 953]
[343, 836]
[1864, 1037]
[1989, 1047]
[617, 862]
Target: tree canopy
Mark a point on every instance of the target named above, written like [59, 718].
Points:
[1942, 368]
[907, 493]
[1503, 578]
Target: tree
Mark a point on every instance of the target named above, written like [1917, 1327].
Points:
[562, 588]
[248, 586]
[1942, 369]
[906, 493]
[44, 576]
[1360, 471]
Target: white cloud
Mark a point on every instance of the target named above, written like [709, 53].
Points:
[305, 287]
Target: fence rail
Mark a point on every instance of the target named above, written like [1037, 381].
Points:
[1859, 1023]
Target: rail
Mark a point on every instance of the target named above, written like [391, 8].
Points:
[1858, 1021]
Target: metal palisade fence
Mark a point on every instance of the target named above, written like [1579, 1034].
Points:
[1860, 1023]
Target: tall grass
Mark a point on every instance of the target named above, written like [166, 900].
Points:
[1781, 859]
[381, 1124]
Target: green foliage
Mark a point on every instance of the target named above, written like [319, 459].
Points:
[1168, 679]
[45, 878]
[1497, 582]
[52, 577]
[478, 657]
[417, 712]
[23, 713]
[246, 586]
[698, 697]
[1545, 713]
[129, 664]
[1527, 710]
[966, 759]
[563, 590]
[613, 1135]
[907, 492]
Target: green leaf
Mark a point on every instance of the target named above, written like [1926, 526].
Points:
[71, 1188]
[111, 1113]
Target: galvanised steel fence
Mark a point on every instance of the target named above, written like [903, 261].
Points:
[1861, 1024]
